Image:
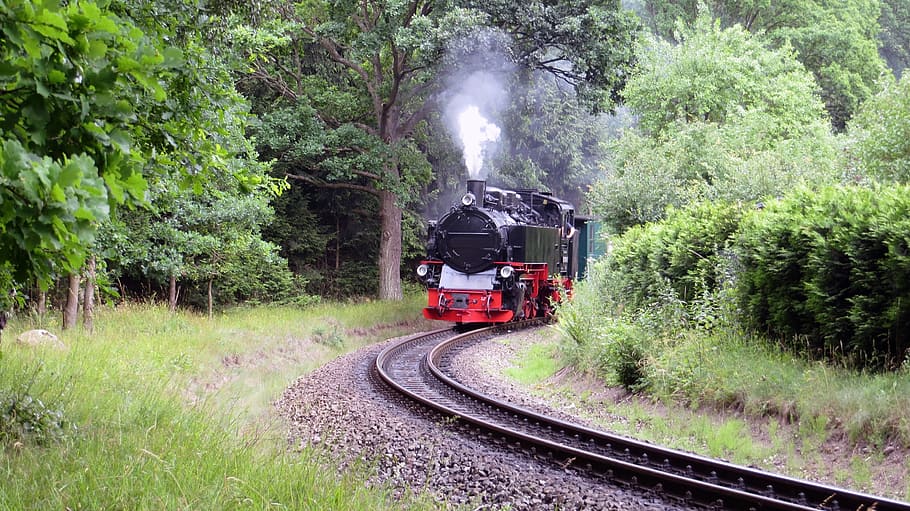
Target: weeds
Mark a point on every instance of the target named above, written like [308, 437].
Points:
[27, 419]
[165, 423]
[703, 359]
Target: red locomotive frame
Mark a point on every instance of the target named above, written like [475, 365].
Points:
[486, 306]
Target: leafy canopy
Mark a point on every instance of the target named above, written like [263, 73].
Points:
[837, 40]
[93, 106]
[722, 116]
[882, 133]
[70, 79]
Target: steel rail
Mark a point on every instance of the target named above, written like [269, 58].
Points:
[696, 479]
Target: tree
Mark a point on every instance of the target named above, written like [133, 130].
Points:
[92, 107]
[895, 35]
[882, 133]
[722, 116]
[210, 239]
[65, 119]
[836, 40]
[587, 46]
[552, 141]
[354, 81]
[356, 73]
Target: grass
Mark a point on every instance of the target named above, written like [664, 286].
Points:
[163, 411]
[536, 364]
[796, 406]
[822, 399]
[726, 369]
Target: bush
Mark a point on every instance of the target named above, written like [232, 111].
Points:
[881, 129]
[625, 354]
[686, 252]
[24, 418]
[829, 272]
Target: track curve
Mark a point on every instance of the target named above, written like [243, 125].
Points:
[416, 368]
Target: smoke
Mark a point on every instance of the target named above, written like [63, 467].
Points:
[475, 132]
[476, 95]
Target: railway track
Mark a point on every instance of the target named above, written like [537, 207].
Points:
[416, 366]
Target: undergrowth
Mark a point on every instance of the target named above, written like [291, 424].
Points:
[173, 411]
[719, 366]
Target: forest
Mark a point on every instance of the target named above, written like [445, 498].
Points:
[214, 153]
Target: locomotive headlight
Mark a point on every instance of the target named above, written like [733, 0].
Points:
[468, 199]
[506, 271]
[422, 270]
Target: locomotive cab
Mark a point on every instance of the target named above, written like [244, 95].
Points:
[499, 255]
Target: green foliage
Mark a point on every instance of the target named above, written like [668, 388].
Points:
[553, 142]
[27, 419]
[95, 105]
[586, 45]
[836, 40]
[828, 273]
[713, 75]
[48, 211]
[723, 117]
[895, 34]
[65, 120]
[201, 238]
[686, 253]
[882, 133]
[625, 353]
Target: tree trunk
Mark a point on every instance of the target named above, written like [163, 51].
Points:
[71, 310]
[41, 306]
[172, 294]
[210, 298]
[389, 248]
[88, 296]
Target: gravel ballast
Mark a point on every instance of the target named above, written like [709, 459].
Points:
[337, 408]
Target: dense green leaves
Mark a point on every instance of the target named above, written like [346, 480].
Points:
[71, 80]
[91, 108]
[882, 133]
[836, 40]
[97, 100]
[714, 75]
[48, 210]
[830, 271]
[685, 253]
[895, 34]
[722, 116]
[585, 45]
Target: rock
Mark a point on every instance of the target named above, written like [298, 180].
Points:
[40, 337]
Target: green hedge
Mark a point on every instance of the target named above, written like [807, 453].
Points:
[685, 252]
[829, 271]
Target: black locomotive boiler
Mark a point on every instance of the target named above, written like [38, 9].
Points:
[499, 255]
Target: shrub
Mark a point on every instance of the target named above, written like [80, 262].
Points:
[685, 252]
[881, 129]
[625, 354]
[829, 272]
[25, 418]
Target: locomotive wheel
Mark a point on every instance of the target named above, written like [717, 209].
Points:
[529, 309]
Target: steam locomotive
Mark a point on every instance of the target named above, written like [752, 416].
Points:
[499, 256]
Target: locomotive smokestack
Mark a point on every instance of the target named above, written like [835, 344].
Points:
[478, 188]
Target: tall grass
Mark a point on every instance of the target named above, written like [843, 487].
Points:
[722, 367]
[165, 411]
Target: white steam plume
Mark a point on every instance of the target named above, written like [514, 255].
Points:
[475, 131]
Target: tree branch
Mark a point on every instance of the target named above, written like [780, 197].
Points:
[332, 185]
